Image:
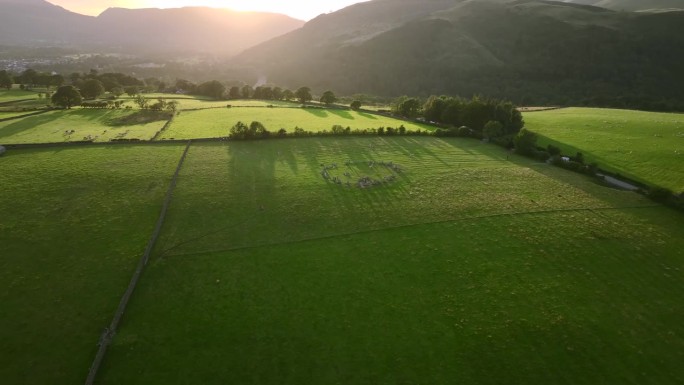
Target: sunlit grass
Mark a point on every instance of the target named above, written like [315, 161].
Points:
[645, 146]
[473, 266]
[77, 125]
[217, 122]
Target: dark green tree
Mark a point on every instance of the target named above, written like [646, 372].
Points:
[131, 91]
[434, 108]
[407, 107]
[492, 129]
[28, 78]
[185, 86]
[92, 89]
[277, 93]
[213, 89]
[288, 95]
[328, 98]
[57, 80]
[246, 92]
[303, 94]
[141, 101]
[234, 92]
[67, 97]
[6, 80]
[355, 105]
[525, 142]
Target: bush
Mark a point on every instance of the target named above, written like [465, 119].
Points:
[542, 155]
[464, 131]
[553, 150]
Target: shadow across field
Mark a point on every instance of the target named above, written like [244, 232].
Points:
[138, 118]
[28, 123]
[344, 114]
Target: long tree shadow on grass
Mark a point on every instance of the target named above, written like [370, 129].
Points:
[317, 112]
[367, 115]
[28, 123]
[344, 114]
[139, 118]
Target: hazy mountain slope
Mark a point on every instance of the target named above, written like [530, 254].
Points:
[529, 51]
[633, 5]
[24, 22]
[184, 30]
[194, 29]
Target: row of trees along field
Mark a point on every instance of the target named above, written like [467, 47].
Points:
[93, 85]
[486, 118]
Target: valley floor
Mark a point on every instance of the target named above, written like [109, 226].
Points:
[461, 264]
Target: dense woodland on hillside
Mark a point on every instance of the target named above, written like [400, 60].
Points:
[532, 52]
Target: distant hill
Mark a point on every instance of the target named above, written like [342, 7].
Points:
[530, 51]
[37, 22]
[633, 5]
[186, 30]
[191, 29]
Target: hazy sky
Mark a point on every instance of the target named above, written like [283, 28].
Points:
[301, 9]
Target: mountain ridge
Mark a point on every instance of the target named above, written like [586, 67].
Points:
[174, 30]
[530, 51]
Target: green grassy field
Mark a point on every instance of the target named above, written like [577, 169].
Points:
[74, 225]
[471, 266]
[198, 103]
[5, 115]
[98, 125]
[12, 95]
[645, 146]
[217, 122]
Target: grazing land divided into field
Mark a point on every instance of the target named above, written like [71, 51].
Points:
[74, 225]
[470, 265]
[645, 146]
[214, 123]
[83, 124]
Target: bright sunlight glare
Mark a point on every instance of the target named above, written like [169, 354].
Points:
[300, 9]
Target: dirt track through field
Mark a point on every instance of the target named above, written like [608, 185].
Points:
[110, 331]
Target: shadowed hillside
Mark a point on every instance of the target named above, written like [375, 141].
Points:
[529, 51]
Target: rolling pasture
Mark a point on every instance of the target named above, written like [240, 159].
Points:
[645, 146]
[213, 123]
[7, 96]
[82, 124]
[74, 224]
[470, 266]
[331, 260]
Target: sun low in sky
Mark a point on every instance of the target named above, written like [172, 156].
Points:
[300, 9]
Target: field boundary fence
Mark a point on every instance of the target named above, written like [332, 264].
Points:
[109, 332]
[163, 129]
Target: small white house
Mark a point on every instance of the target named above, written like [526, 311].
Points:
[565, 159]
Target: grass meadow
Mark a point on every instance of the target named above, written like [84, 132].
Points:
[463, 263]
[74, 225]
[13, 114]
[214, 123]
[645, 146]
[471, 266]
[7, 96]
[86, 124]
